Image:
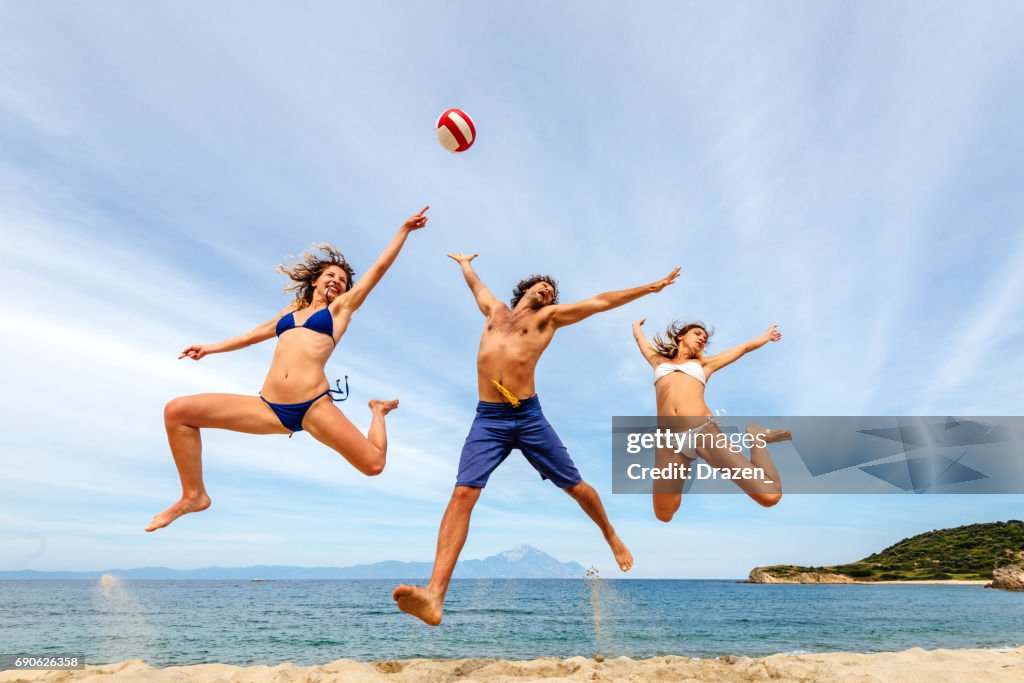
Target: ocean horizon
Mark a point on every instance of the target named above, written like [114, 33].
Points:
[309, 621]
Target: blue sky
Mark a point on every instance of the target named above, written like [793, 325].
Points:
[849, 171]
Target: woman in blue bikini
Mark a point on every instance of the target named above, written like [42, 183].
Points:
[295, 394]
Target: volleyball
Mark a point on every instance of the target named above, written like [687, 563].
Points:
[455, 130]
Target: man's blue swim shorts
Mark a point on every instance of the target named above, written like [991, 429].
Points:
[498, 428]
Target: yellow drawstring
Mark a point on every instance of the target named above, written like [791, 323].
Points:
[509, 396]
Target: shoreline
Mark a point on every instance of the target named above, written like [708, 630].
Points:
[929, 582]
[908, 665]
[952, 582]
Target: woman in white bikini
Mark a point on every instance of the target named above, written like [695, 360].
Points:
[681, 371]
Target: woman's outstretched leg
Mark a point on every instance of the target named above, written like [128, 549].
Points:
[329, 426]
[759, 456]
[183, 418]
[766, 492]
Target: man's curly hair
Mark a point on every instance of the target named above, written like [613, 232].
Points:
[305, 270]
[520, 290]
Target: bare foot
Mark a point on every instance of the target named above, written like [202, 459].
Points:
[384, 407]
[182, 507]
[770, 435]
[419, 602]
[621, 552]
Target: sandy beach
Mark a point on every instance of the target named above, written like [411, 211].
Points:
[910, 665]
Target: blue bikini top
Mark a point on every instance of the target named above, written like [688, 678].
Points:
[322, 321]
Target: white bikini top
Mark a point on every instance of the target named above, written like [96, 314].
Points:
[690, 367]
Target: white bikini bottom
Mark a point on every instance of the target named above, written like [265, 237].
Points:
[690, 451]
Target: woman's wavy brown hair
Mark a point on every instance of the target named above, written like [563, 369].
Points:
[305, 270]
[668, 346]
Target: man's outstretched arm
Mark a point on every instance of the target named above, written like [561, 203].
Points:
[484, 299]
[567, 314]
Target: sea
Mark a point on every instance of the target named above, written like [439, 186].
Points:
[173, 623]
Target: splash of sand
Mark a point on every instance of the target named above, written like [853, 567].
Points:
[125, 614]
[111, 588]
[605, 602]
[594, 584]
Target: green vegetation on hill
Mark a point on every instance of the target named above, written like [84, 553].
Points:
[966, 552]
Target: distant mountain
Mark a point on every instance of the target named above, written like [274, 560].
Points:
[965, 552]
[524, 562]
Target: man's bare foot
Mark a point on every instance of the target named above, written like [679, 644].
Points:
[419, 602]
[384, 407]
[621, 552]
[182, 507]
[770, 435]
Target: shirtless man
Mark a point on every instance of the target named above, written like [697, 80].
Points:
[509, 416]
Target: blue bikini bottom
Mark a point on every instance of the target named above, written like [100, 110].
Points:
[292, 414]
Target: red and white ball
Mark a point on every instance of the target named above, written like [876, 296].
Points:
[455, 130]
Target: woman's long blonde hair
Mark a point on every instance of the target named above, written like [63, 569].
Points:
[305, 270]
[668, 346]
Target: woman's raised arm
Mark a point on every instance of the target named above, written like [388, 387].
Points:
[354, 297]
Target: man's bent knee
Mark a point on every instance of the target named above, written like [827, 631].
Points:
[578, 490]
[466, 494]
